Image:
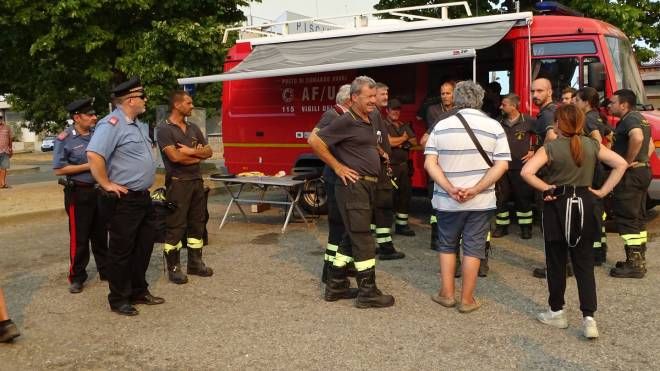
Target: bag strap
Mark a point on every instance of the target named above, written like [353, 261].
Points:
[474, 139]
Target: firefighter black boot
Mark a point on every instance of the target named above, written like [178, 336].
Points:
[526, 231]
[500, 231]
[404, 230]
[368, 294]
[483, 267]
[196, 265]
[324, 272]
[337, 285]
[388, 252]
[633, 267]
[174, 272]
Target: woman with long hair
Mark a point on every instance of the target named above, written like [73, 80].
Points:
[568, 220]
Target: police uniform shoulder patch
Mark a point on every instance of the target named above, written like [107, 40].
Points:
[62, 135]
[113, 120]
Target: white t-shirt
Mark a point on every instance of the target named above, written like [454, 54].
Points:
[460, 160]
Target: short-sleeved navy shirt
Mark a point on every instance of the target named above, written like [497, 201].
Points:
[518, 134]
[399, 154]
[355, 143]
[545, 120]
[170, 134]
[326, 118]
[71, 149]
[126, 147]
[629, 121]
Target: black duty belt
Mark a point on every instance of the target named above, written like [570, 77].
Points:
[82, 184]
[138, 193]
[373, 179]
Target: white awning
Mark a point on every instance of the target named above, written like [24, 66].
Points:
[362, 51]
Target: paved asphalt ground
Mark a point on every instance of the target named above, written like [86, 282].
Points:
[263, 310]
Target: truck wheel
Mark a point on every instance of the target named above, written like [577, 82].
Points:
[313, 198]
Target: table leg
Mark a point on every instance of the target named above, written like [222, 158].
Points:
[292, 205]
[231, 202]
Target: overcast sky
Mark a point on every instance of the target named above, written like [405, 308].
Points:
[271, 9]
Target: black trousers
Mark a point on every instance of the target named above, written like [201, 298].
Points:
[629, 199]
[404, 192]
[188, 219]
[355, 202]
[131, 227]
[512, 187]
[85, 226]
[336, 228]
[582, 257]
[582, 254]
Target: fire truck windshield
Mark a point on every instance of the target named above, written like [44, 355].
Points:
[625, 68]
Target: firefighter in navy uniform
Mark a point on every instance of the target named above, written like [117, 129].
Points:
[631, 141]
[80, 197]
[357, 166]
[384, 196]
[183, 147]
[336, 228]
[122, 164]
[544, 130]
[519, 131]
[402, 138]
[588, 100]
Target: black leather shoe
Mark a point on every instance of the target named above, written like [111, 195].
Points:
[75, 287]
[148, 299]
[125, 310]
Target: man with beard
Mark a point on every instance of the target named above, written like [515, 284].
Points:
[183, 147]
[121, 162]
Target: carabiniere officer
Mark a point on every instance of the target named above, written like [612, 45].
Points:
[80, 197]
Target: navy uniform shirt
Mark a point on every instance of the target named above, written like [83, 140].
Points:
[169, 134]
[126, 148]
[71, 149]
[326, 118]
[355, 143]
[400, 153]
[518, 134]
[629, 121]
[545, 120]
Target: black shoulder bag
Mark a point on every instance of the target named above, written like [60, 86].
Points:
[474, 139]
[468, 129]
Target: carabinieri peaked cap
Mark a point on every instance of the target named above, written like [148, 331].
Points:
[126, 87]
[84, 105]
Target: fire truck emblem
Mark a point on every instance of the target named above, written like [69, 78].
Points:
[287, 95]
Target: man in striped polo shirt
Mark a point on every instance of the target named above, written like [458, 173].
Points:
[464, 192]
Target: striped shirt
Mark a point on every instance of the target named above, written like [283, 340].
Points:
[460, 160]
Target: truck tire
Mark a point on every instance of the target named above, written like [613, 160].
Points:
[313, 198]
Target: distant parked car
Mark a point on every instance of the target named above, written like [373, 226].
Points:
[48, 144]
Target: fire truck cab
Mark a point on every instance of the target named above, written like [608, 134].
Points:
[276, 87]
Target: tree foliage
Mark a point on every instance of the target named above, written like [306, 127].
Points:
[53, 52]
[638, 19]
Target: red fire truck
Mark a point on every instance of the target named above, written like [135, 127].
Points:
[276, 87]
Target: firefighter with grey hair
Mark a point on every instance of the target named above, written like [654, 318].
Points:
[465, 155]
[355, 159]
[336, 228]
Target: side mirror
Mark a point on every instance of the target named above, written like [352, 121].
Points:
[647, 107]
[596, 76]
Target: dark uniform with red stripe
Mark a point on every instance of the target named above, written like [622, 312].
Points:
[81, 204]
